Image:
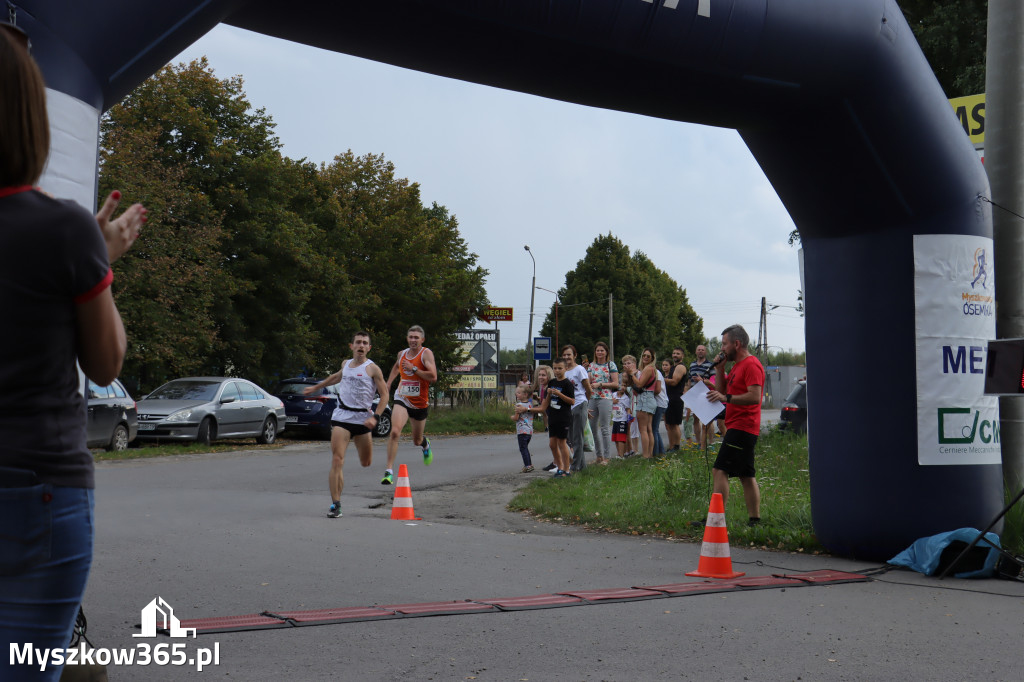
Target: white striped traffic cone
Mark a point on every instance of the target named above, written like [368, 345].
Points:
[714, 551]
[401, 509]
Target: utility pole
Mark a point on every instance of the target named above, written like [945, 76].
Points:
[533, 290]
[611, 330]
[1004, 161]
[762, 332]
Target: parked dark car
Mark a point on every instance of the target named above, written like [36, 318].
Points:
[209, 408]
[113, 421]
[794, 409]
[312, 413]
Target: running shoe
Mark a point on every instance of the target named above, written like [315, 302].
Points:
[335, 511]
[388, 479]
[550, 467]
[428, 456]
[527, 469]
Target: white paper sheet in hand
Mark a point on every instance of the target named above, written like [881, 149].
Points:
[697, 400]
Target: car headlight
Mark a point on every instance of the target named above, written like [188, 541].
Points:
[180, 416]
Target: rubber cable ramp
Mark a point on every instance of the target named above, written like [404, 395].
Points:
[268, 620]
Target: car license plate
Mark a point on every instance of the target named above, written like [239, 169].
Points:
[291, 420]
[147, 427]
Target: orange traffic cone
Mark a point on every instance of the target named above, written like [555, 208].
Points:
[401, 509]
[714, 551]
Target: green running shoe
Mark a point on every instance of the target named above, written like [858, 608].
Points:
[335, 511]
[428, 456]
[388, 479]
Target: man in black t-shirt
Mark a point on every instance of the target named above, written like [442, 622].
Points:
[676, 382]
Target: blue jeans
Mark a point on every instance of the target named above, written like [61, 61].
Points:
[659, 444]
[524, 447]
[46, 538]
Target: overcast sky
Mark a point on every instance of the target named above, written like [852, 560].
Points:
[517, 169]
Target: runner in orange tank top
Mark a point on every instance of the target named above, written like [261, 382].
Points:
[415, 370]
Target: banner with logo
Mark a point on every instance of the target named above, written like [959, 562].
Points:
[954, 294]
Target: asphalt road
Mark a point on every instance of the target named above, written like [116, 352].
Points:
[241, 533]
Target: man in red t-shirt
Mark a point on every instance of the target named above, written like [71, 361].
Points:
[742, 400]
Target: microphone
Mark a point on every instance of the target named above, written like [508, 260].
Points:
[718, 360]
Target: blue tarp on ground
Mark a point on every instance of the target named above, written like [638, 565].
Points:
[931, 555]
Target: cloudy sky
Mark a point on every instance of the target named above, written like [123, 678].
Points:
[517, 169]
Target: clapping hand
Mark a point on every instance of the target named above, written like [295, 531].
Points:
[121, 232]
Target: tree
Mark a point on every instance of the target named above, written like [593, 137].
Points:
[650, 309]
[408, 263]
[224, 156]
[164, 286]
[953, 36]
[257, 265]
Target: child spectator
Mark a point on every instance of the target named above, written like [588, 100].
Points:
[621, 414]
[558, 401]
[524, 424]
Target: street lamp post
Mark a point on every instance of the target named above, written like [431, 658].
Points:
[556, 316]
[533, 290]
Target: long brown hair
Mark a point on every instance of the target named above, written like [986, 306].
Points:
[24, 126]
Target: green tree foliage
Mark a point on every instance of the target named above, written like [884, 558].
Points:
[256, 265]
[168, 282]
[952, 34]
[408, 263]
[650, 309]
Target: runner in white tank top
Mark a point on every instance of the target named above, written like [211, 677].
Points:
[354, 419]
[356, 391]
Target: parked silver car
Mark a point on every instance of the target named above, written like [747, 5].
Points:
[209, 408]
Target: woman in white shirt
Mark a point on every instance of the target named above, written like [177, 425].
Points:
[581, 385]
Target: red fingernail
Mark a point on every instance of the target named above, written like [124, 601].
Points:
[145, 219]
[115, 195]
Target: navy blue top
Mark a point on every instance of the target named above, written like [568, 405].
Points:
[52, 254]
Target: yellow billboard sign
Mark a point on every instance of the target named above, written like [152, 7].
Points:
[970, 110]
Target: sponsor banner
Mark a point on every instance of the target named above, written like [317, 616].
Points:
[495, 314]
[954, 297]
[472, 381]
[478, 345]
[970, 111]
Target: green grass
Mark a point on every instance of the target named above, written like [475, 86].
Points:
[639, 497]
[467, 420]
[645, 497]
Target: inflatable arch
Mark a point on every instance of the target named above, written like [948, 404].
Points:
[837, 104]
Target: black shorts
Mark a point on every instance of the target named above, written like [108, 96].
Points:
[417, 413]
[674, 413]
[736, 456]
[559, 429]
[354, 429]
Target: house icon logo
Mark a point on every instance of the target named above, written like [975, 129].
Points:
[160, 611]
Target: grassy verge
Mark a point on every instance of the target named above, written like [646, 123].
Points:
[645, 497]
[638, 496]
[464, 421]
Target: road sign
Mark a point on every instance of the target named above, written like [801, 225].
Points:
[478, 345]
[494, 314]
[542, 348]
